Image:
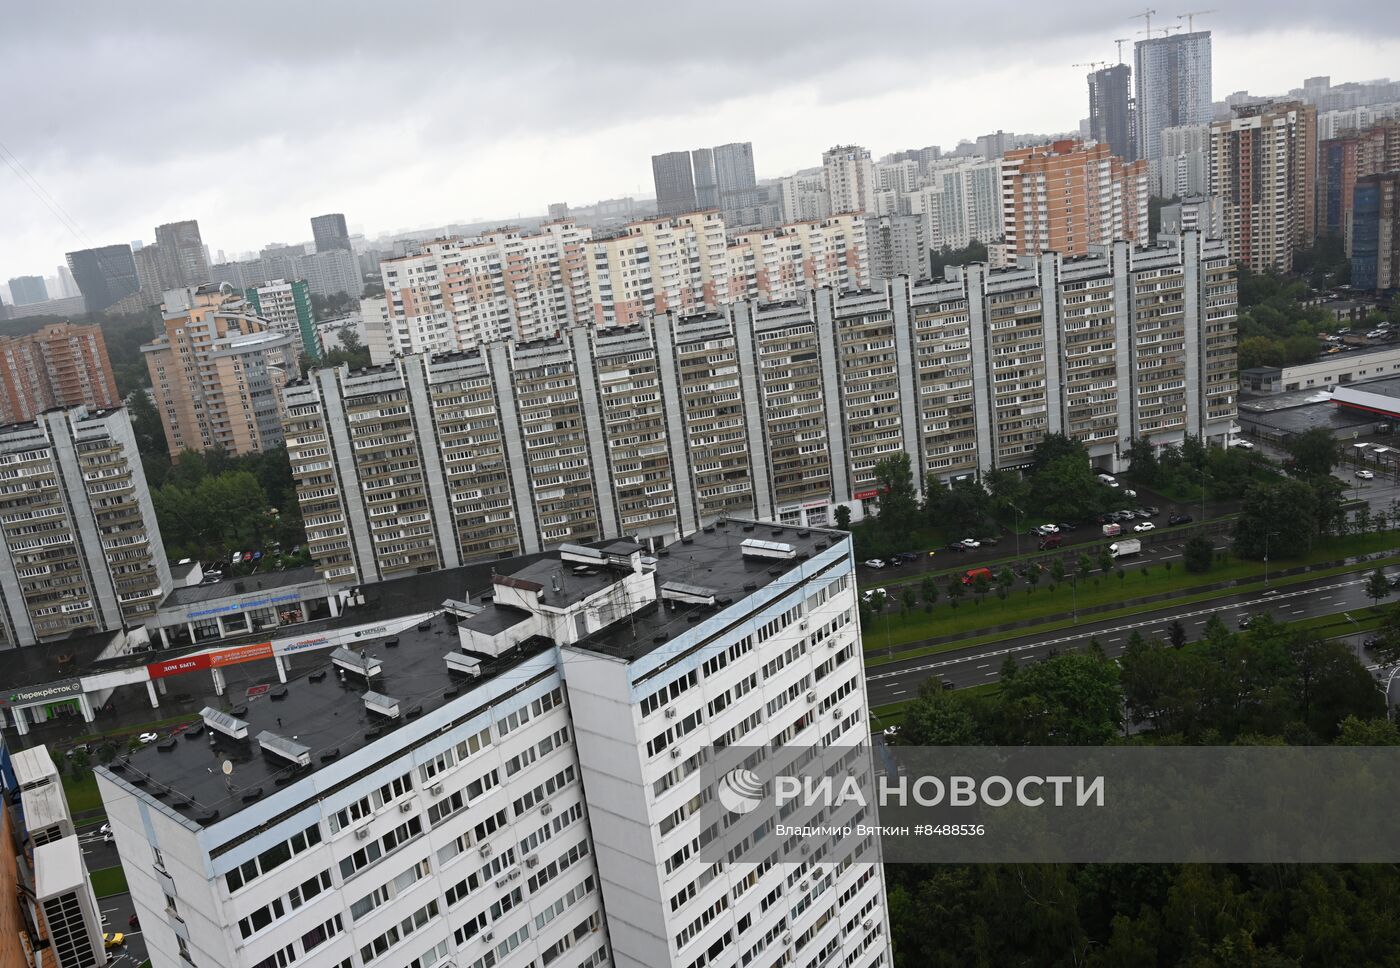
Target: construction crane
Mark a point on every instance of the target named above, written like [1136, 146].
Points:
[1120, 41]
[1146, 15]
[1092, 65]
[1190, 18]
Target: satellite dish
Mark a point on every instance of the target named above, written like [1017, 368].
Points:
[228, 767]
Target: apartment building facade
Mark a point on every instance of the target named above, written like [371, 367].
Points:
[849, 179]
[60, 365]
[1066, 196]
[537, 795]
[286, 307]
[1263, 166]
[82, 549]
[1173, 78]
[665, 264]
[217, 372]
[1342, 160]
[777, 411]
[458, 293]
[1373, 233]
[779, 264]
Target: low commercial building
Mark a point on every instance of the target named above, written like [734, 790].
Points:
[524, 775]
[1337, 369]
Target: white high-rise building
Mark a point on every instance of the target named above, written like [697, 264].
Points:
[1173, 77]
[1183, 167]
[805, 198]
[522, 776]
[849, 179]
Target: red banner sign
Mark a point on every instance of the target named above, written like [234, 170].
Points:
[176, 667]
[210, 660]
[243, 653]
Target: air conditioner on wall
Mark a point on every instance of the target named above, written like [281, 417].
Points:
[435, 789]
[546, 810]
[532, 861]
[406, 807]
[670, 714]
[486, 850]
[362, 833]
[811, 695]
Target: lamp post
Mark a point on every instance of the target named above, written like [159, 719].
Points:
[1267, 536]
[1017, 529]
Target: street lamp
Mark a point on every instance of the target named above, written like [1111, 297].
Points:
[1267, 536]
[1017, 528]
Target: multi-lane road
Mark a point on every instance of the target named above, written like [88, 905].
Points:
[976, 665]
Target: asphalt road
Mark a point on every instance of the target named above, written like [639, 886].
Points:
[117, 909]
[981, 664]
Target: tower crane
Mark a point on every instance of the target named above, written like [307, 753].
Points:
[1120, 41]
[1147, 17]
[1092, 65]
[1190, 18]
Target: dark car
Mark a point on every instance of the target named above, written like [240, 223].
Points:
[133, 922]
[1394, 580]
[1066, 526]
[990, 539]
[1144, 512]
[1150, 509]
[955, 546]
[1180, 519]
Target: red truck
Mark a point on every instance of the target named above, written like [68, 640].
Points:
[975, 573]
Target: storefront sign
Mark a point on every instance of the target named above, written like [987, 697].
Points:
[47, 692]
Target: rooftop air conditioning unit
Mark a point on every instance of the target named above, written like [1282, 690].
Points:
[406, 807]
[486, 850]
[546, 810]
[435, 789]
[670, 714]
[811, 695]
[362, 833]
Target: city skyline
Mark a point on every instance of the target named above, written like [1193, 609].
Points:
[500, 167]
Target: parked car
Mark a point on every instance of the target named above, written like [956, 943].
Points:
[1152, 510]
[148, 738]
[874, 563]
[989, 540]
[907, 556]
[1180, 519]
[1125, 516]
[133, 922]
[1064, 526]
[1244, 621]
[1243, 444]
[1144, 512]
[113, 940]
[1365, 475]
[1129, 492]
[971, 543]
[1049, 529]
[1393, 580]
[1051, 541]
[1145, 526]
[870, 593]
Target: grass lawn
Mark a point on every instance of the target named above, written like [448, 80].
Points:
[109, 881]
[891, 628]
[892, 714]
[81, 793]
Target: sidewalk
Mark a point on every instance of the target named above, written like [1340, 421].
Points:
[1164, 597]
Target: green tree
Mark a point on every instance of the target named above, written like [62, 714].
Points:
[956, 590]
[1072, 699]
[843, 517]
[966, 506]
[1054, 447]
[1105, 561]
[1312, 453]
[1005, 579]
[928, 588]
[980, 587]
[1033, 574]
[897, 514]
[1057, 571]
[908, 600]
[1278, 518]
[1084, 567]
[1377, 587]
[1199, 554]
[1067, 489]
[1142, 460]
[1006, 489]
[1367, 732]
[1176, 633]
[938, 718]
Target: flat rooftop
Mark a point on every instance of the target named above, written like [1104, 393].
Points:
[317, 711]
[246, 585]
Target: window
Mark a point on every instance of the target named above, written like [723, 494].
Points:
[272, 858]
[376, 849]
[320, 934]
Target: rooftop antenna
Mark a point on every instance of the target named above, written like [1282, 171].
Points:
[1190, 18]
[1147, 18]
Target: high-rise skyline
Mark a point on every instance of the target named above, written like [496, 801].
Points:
[1066, 196]
[1263, 165]
[27, 290]
[850, 179]
[1173, 77]
[182, 258]
[104, 275]
[330, 232]
[674, 181]
[1110, 110]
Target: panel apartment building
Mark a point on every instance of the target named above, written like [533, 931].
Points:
[1066, 196]
[61, 365]
[531, 783]
[217, 371]
[81, 548]
[775, 411]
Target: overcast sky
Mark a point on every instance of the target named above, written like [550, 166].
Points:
[253, 116]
